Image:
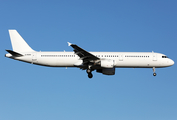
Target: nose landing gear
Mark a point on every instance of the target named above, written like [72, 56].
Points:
[154, 74]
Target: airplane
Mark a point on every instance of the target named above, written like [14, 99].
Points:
[102, 62]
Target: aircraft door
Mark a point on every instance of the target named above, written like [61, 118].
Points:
[154, 56]
[120, 57]
[34, 58]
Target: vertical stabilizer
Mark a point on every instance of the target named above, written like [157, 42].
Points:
[18, 43]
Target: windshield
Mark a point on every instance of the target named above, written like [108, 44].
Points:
[164, 57]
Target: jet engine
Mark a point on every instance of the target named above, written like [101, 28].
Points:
[106, 71]
[107, 63]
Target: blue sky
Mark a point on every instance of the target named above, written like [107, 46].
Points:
[31, 92]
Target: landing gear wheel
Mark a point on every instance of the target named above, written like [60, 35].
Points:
[88, 71]
[154, 74]
[90, 75]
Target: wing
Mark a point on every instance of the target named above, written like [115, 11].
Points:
[83, 54]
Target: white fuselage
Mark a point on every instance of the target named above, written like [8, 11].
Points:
[102, 62]
[122, 59]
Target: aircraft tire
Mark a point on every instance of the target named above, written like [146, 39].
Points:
[88, 71]
[154, 74]
[90, 75]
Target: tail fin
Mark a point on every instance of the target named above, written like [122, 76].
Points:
[18, 43]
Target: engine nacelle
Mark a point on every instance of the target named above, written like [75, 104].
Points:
[106, 71]
[107, 63]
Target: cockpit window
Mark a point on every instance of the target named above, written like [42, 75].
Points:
[164, 57]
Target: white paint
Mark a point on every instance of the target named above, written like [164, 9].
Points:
[70, 59]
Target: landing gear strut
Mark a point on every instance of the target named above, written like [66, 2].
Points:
[89, 71]
[154, 74]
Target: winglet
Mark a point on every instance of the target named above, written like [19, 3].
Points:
[69, 44]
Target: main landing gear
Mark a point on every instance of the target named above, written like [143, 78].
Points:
[89, 71]
[154, 74]
[90, 75]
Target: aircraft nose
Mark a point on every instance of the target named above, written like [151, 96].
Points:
[171, 62]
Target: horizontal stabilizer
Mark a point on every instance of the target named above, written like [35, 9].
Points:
[15, 54]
